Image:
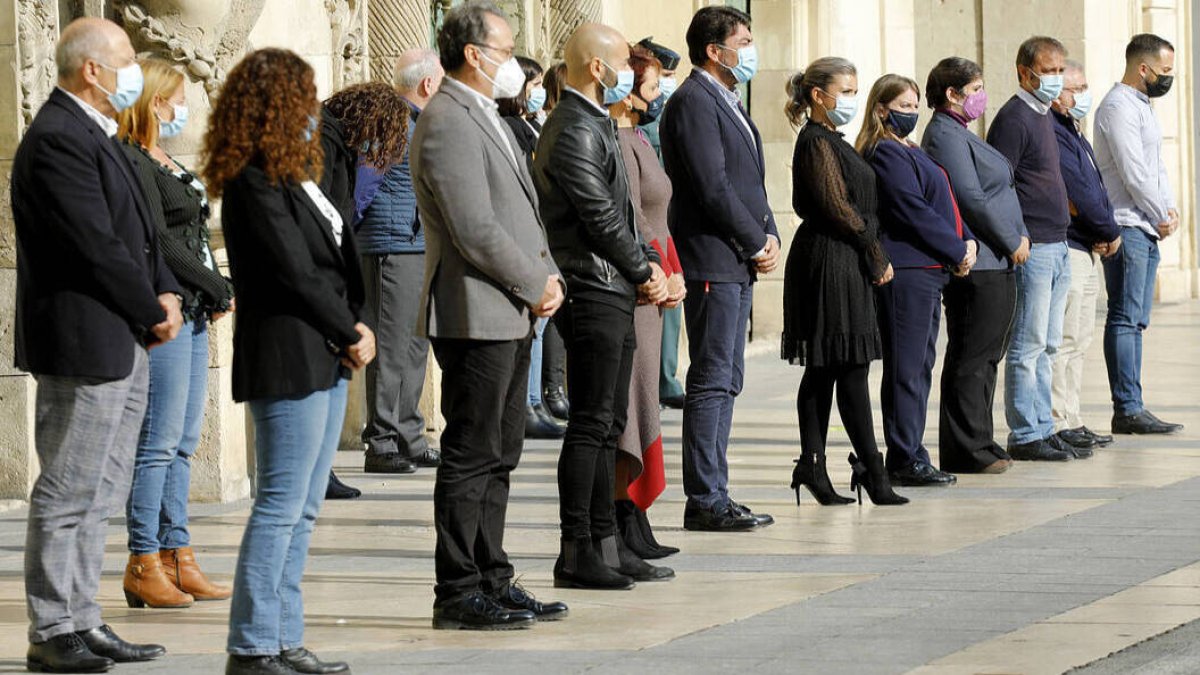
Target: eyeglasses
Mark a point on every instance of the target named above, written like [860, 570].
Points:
[506, 53]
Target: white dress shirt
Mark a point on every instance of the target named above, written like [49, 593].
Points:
[1129, 154]
[1033, 102]
[107, 124]
[490, 111]
[326, 208]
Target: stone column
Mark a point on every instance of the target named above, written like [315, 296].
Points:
[393, 27]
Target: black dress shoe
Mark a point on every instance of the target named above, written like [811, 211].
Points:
[339, 490]
[430, 459]
[104, 642]
[763, 519]
[724, 519]
[1077, 438]
[514, 596]
[1102, 440]
[556, 402]
[303, 661]
[1174, 427]
[922, 474]
[1142, 423]
[391, 462]
[66, 653]
[673, 402]
[258, 665]
[1056, 442]
[539, 427]
[478, 611]
[1037, 451]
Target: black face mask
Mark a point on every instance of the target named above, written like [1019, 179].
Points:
[902, 123]
[1160, 86]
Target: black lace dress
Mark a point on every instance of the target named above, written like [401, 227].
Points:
[828, 298]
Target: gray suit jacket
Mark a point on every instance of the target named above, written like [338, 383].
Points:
[486, 257]
[983, 184]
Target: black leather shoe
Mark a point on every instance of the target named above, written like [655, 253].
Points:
[392, 462]
[556, 402]
[1102, 440]
[673, 402]
[1077, 452]
[104, 642]
[1174, 427]
[539, 427]
[1077, 438]
[722, 520]
[762, 519]
[65, 654]
[303, 661]
[430, 459]
[1037, 451]
[478, 611]
[339, 490]
[514, 596]
[922, 474]
[580, 565]
[629, 564]
[258, 665]
[1142, 423]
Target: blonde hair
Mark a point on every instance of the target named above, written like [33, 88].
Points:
[818, 74]
[885, 90]
[138, 122]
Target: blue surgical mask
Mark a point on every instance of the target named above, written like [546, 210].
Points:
[129, 86]
[311, 129]
[747, 64]
[1083, 103]
[667, 85]
[175, 126]
[846, 109]
[1049, 87]
[653, 110]
[622, 89]
[537, 99]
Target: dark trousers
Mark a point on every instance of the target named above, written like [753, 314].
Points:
[716, 315]
[484, 387]
[600, 344]
[554, 357]
[979, 315]
[396, 377]
[910, 312]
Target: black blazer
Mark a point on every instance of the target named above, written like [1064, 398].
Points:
[89, 270]
[719, 214]
[298, 292]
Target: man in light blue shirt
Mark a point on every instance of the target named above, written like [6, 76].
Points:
[1129, 156]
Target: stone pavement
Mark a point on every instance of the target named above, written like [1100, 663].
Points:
[1040, 570]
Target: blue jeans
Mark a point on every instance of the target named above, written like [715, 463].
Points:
[716, 315]
[1042, 285]
[156, 511]
[295, 441]
[1129, 276]
[535, 363]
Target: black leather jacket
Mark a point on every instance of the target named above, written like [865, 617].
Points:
[583, 192]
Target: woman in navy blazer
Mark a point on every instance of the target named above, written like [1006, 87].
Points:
[979, 306]
[924, 235]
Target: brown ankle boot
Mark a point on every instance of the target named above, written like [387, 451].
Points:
[147, 586]
[181, 568]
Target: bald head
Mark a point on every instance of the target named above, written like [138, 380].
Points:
[418, 75]
[93, 39]
[594, 54]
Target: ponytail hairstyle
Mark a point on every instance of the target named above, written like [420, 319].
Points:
[818, 75]
[885, 90]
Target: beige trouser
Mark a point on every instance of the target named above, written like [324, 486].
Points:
[1079, 326]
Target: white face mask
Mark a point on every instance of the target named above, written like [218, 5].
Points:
[510, 79]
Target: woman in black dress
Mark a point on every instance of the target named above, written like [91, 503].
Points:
[835, 261]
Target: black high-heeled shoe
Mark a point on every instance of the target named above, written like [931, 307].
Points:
[660, 550]
[631, 533]
[812, 474]
[872, 476]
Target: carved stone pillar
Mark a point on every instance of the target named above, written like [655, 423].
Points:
[348, 21]
[565, 17]
[396, 26]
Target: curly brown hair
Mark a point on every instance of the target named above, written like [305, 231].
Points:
[268, 100]
[374, 116]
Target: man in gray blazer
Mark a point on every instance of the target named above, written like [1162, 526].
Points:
[488, 276]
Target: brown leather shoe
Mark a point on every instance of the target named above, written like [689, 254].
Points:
[998, 466]
[181, 568]
[146, 585]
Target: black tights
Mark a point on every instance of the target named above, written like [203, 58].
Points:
[814, 402]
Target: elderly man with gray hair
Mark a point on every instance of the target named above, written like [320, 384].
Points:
[93, 294]
[392, 244]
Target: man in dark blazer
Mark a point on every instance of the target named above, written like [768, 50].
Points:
[93, 293]
[726, 235]
[488, 276]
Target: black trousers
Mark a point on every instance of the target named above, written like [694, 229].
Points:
[554, 357]
[484, 390]
[979, 315]
[600, 343]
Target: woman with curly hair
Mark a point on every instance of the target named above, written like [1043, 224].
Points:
[298, 336]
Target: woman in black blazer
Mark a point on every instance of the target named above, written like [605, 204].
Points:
[298, 336]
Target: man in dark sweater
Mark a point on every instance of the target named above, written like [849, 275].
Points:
[1024, 132]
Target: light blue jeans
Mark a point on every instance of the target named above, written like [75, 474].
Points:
[1129, 276]
[535, 363]
[295, 442]
[1042, 285]
[157, 509]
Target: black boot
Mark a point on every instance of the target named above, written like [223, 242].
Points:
[628, 562]
[810, 472]
[539, 427]
[872, 476]
[579, 565]
[339, 490]
[556, 402]
[648, 537]
[630, 529]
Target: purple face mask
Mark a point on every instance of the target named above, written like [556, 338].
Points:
[975, 105]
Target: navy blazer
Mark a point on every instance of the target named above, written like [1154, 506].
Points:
[719, 215]
[89, 270]
[916, 208]
[983, 182]
[1092, 219]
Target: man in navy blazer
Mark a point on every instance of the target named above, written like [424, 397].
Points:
[93, 292]
[726, 235]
